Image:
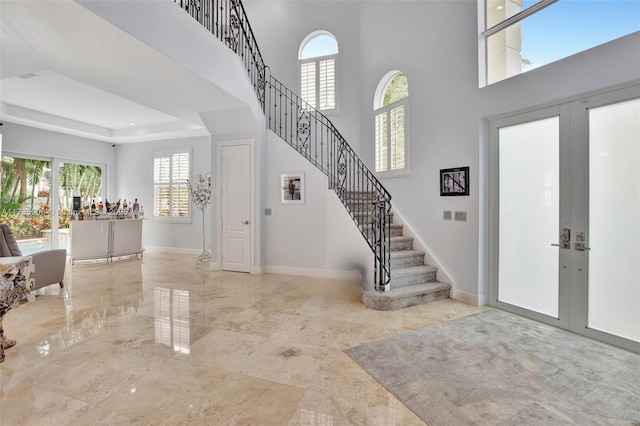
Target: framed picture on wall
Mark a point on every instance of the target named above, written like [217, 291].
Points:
[292, 188]
[454, 181]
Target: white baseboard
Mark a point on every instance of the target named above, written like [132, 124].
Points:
[173, 250]
[310, 272]
[468, 298]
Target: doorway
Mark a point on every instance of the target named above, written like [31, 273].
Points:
[565, 216]
[236, 177]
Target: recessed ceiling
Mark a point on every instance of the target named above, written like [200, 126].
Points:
[63, 68]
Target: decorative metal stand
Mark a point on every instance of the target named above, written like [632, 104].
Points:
[200, 191]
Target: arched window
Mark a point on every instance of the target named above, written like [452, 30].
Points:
[391, 136]
[318, 65]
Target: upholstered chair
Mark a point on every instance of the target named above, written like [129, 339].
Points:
[50, 264]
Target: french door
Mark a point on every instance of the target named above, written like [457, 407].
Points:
[565, 216]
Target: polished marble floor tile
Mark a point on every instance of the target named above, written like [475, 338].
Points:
[160, 342]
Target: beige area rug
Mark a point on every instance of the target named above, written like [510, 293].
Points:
[496, 368]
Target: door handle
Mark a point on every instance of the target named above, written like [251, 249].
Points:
[565, 239]
[580, 245]
[246, 222]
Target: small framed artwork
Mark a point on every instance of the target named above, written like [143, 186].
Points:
[454, 181]
[292, 188]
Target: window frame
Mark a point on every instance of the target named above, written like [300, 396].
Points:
[316, 60]
[164, 153]
[386, 109]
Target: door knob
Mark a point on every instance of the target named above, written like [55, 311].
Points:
[246, 222]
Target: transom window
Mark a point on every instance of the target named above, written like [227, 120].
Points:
[391, 136]
[318, 67]
[520, 35]
[171, 172]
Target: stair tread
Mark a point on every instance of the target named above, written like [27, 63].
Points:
[405, 253]
[409, 291]
[401, 238]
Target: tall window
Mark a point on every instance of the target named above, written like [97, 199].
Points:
[390, 126]
[520, 35]
[171, 172]
[318, 65]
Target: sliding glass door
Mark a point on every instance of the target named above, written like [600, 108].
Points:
[25, 201]
[39, 212]
[565, 216]
[79, 181]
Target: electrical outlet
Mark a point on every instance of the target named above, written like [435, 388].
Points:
[461, 216]
[267, 211]
[446, 214]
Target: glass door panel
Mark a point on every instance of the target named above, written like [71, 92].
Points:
[528, 215]
[614, 219]
[25, 201]
[84, 183]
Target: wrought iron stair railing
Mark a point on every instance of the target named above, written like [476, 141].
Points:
[306, 130]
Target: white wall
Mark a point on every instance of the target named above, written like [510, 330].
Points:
[435, 44]
[135, 180]
[32, 142]
[317, 238]
[280, 27]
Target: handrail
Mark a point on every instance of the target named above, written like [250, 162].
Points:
[306, 130]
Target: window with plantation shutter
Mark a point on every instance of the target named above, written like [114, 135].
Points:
[318, 64]
[171, 172]
[390, 126]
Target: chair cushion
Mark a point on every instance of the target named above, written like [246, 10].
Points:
[9, 243]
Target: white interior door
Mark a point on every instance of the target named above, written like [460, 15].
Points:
[236, 207]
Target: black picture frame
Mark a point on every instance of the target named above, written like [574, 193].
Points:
[454, 182]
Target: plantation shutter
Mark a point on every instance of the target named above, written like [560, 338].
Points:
[390, 137]
[318, 83]
[327, 83]
[381, 142]
[308, 83]
[397, 138]
[161, 180]
[171, 172]
[180, 190]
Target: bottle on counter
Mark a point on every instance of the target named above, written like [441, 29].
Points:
[93, 206]
[136, 209]
[141, 214]
[125, 206]
[80, 215]
[100, 207]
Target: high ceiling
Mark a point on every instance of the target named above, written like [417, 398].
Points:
[65, 69]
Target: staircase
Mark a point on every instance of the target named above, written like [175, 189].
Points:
[401, 278]
[412, 282]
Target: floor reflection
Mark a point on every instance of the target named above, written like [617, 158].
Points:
[159, 342]
[171, 318]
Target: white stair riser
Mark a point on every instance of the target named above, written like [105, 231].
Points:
[425, 277]
[401, 245]
[405, 262]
